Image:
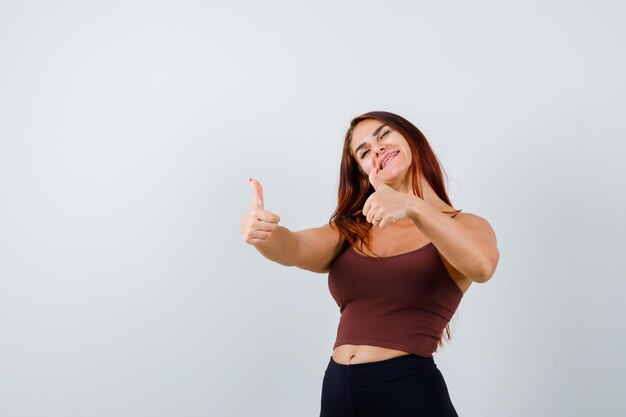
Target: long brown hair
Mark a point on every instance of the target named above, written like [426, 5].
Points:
[355, 188]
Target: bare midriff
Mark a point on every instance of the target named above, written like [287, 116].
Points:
[353, 354]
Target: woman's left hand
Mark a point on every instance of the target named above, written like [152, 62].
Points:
[386, 206]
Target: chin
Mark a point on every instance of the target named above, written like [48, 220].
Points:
[396, 173]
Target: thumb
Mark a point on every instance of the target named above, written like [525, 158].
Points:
[375, 178]
[257, 192]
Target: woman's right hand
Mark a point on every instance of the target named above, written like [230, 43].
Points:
[258, 224]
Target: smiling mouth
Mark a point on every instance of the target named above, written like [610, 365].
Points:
[387, 160]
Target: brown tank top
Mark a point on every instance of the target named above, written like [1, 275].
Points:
[399, 302]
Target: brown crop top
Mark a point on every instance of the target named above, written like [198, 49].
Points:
[399, 302]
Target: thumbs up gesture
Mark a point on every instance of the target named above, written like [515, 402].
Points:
[258, 224]
[385, 205]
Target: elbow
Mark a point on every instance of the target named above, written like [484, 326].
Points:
[489, 268]
[483, 277]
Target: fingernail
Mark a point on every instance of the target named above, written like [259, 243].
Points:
[377, 170]
[250, 179]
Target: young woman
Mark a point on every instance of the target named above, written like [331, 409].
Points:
[399, 259]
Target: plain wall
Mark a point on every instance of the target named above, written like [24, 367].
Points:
[128, 132]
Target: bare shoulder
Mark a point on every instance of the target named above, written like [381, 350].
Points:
[317, 247]
[477, 224]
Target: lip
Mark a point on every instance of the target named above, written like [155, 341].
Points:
[380, 163]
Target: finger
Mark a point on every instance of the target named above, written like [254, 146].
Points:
[267, 216]
[366, 207]
[263, 233]
[368, 211]
[374, 178]
[260, 235]
[266, 226]
[257, 191]
[254, 240]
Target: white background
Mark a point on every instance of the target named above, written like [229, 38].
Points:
[128, 132]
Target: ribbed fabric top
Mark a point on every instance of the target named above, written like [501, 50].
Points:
[399, 302]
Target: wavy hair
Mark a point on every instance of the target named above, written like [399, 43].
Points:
[355, 188]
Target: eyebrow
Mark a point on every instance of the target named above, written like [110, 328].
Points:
[374, 133]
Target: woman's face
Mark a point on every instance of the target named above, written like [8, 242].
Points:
[373, 142]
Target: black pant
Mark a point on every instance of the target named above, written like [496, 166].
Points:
[404, 386]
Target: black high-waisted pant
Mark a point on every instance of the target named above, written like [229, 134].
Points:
[404, 386]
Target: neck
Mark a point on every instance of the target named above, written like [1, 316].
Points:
[428, 194]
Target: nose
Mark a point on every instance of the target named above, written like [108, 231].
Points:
[380, 150]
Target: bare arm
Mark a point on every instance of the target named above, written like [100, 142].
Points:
[317, 248]
[468, 242]
[280, 247]
[310, 249]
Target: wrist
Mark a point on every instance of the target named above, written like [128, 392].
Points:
[416, 208]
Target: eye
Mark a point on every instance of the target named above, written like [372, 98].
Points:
[382, 136]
